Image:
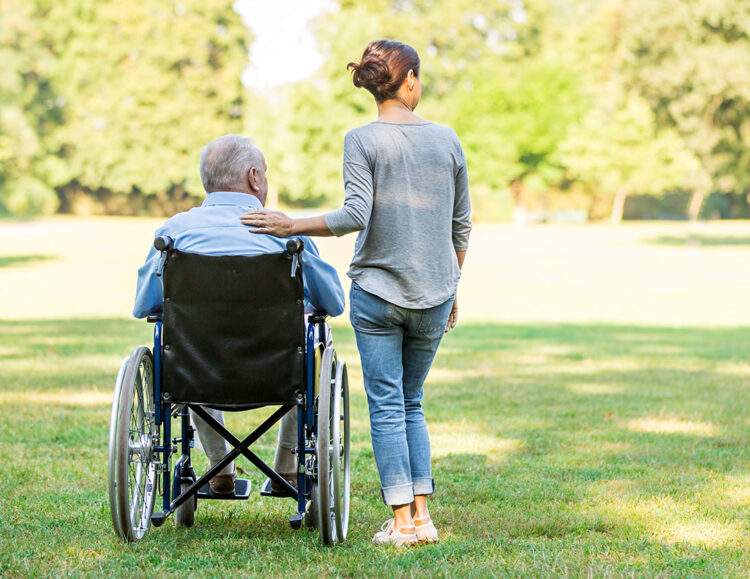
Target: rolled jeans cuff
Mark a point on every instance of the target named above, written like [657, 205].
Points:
[404, 494]
[398, 494]
[424, 486]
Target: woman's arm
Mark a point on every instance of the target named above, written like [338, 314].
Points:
[461, 227]
[353, 216]
[281, 225]
[453, 316]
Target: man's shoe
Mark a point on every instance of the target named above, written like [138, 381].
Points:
[291, 478]
[222, 484]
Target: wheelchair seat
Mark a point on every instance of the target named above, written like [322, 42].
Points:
[234, 333]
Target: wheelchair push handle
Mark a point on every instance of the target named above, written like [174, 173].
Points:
[295, 246]
[163, 243]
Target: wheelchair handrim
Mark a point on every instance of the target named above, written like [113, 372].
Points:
[326, 522]
[340, 454]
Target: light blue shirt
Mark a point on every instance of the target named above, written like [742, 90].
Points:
[214, 228]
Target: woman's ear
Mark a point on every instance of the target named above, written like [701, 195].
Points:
[410, 79]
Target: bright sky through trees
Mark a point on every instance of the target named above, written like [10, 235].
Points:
[284, 49]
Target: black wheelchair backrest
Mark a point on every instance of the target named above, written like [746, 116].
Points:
[233, 330]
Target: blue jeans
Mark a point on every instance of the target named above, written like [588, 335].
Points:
[397, 346]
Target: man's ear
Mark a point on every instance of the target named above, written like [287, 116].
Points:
[252, 180]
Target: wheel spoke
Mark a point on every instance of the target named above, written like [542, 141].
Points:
[136, 491]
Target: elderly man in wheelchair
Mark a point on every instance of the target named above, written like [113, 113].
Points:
[239, 323]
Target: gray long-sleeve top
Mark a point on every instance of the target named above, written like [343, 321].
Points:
[407, 193]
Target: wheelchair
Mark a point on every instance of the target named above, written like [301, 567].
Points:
[232, 336]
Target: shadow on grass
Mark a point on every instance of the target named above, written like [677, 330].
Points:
[20, 260]
[699, 240]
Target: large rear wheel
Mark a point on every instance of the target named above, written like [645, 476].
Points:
[340, 452]
[333, 481]
[132, 436]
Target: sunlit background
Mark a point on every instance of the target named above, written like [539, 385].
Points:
[284, 49]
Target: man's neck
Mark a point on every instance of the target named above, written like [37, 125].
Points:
[232, 198]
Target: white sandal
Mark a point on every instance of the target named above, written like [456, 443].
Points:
[389, 535]
[425, 530]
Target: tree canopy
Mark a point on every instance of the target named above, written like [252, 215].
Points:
[117, 100]
[558, 103]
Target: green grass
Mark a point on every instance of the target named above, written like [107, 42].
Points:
[700, 240]
[559, 450]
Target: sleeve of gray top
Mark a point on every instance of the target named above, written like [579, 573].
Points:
[358, 191]
[461, 208]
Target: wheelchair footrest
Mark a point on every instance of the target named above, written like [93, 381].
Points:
[267, 491]
[241, 491]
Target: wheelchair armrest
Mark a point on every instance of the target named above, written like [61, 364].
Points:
[153, 319]
[318, 316]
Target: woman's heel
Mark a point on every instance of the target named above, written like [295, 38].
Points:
[425, 530]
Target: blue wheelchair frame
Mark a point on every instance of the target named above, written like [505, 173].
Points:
[183, 470]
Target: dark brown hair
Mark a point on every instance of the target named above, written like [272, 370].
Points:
[383, 67]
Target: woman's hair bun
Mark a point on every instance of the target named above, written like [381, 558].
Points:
[370, 72]
[383, 67]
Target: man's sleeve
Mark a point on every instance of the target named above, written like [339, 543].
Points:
[322, 286]
[149, 293]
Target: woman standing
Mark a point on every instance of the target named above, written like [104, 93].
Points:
[407, 195]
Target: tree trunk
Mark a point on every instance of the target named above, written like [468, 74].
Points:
[519, 209]
[618, 206]
[696, 203]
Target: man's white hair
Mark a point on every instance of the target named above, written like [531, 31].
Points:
[225, 162]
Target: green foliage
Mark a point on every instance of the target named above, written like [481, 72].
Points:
[27, 112]
[144, 88]
[512, 118]
[689, 59]
[29, 196]
[661, 84]
[572, 102]
[619, 150]
[313, 115]
[116, 98]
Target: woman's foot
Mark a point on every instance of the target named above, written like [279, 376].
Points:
[425, 530]
[390, 535]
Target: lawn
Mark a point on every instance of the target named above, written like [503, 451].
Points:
[587, 445]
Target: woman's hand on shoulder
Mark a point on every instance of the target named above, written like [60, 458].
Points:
[270, 222]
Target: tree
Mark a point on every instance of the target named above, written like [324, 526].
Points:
[28, 111]
[618, 150]
[512, 117]
[688, 60]
[453, 37]
[138, 90]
